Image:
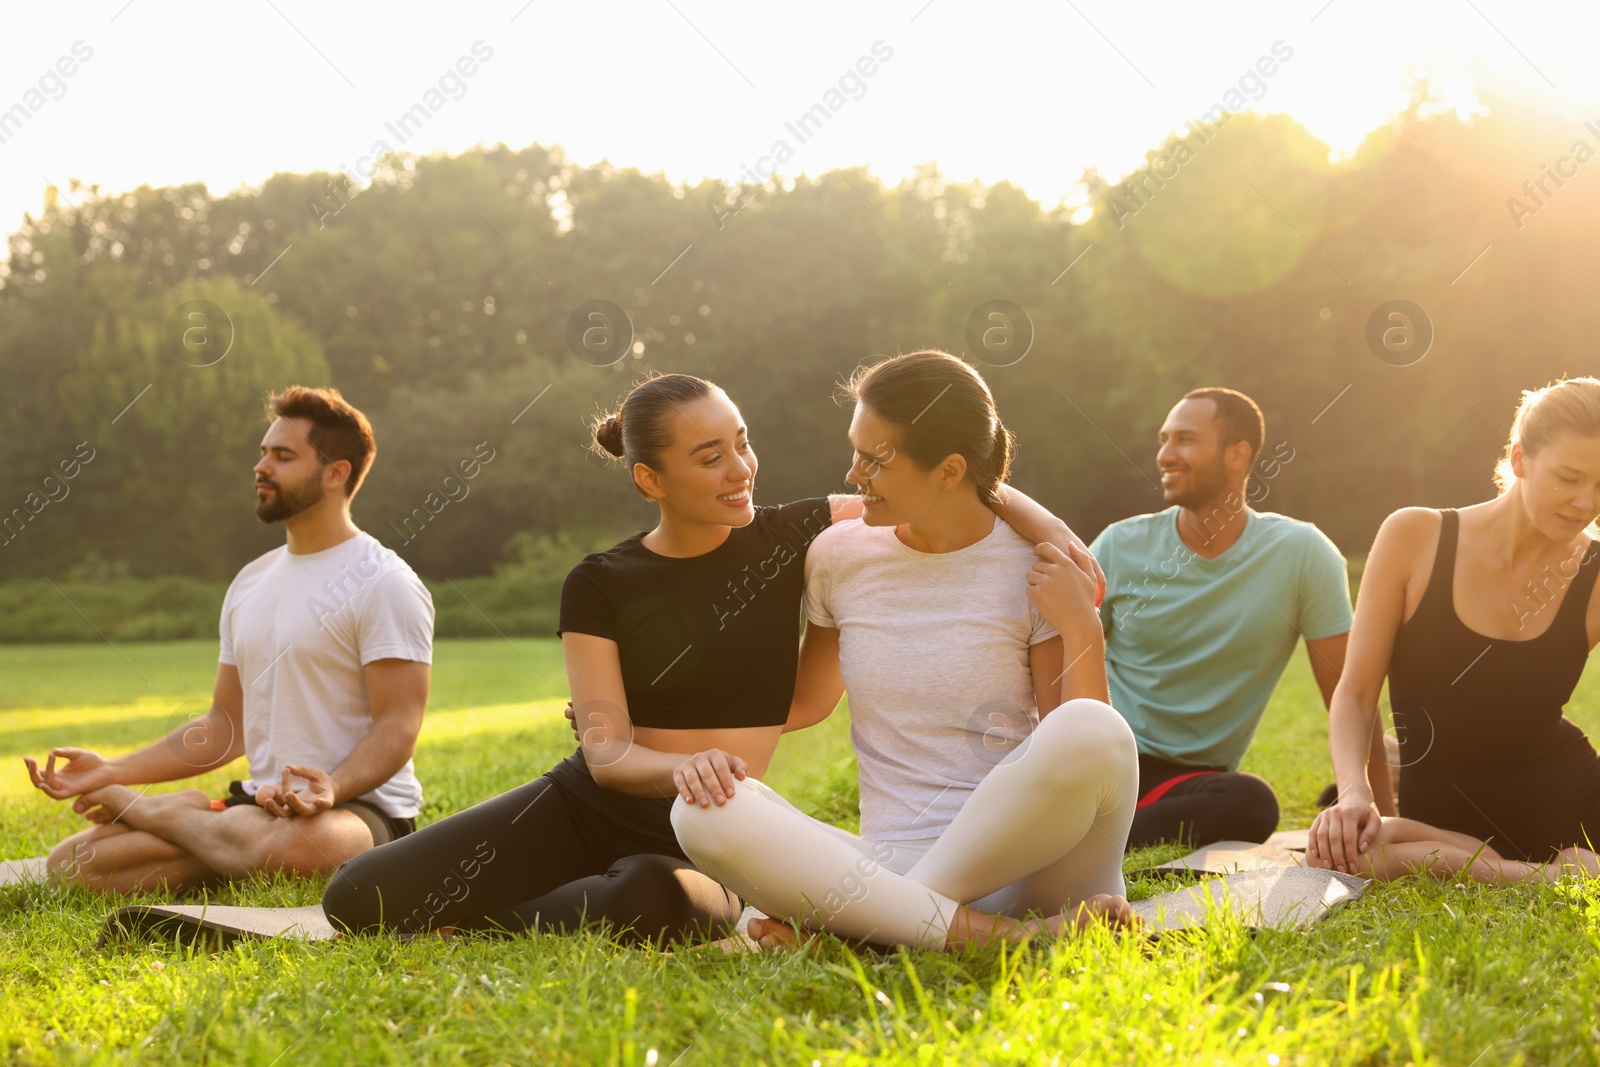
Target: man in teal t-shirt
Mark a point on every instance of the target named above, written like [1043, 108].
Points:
[1204, 603]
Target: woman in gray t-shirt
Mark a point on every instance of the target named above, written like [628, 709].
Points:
[996, 779]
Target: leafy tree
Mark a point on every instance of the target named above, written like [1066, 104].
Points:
[438, 297]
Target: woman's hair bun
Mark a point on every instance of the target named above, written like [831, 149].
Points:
[608, 435]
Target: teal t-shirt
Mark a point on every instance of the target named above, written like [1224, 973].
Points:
[1195, 646]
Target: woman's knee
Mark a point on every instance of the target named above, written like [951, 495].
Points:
[716, 818]
[711, 835]
[664, 898]
[664, 880]
[652, 872]
[353, 898]
[1087, 732]
[686, 820]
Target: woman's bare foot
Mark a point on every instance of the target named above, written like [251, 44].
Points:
[118, 803]
[979, 928]
[1573, 861]
[773, 934]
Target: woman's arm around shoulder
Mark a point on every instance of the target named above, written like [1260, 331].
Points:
[842, 506]
[818, 683]
[1034, 522]
[1062, 588]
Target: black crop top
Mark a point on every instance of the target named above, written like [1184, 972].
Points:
[707, 641]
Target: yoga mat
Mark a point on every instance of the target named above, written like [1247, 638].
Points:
[16, 872]
[1290, 840]
[1278, 898]
[1227, 857]
[218, 926]
[215, 925]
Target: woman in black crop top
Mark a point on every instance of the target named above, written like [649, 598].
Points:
[681, 649]
[1483, 620]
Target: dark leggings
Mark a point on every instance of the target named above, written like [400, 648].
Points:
[537, 857]
[1214, 804]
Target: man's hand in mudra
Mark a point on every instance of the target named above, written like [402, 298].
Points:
[283, 800]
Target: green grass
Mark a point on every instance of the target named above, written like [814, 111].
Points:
[1417, 972]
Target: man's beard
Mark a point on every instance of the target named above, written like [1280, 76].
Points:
[1207, 483]
[286, 503]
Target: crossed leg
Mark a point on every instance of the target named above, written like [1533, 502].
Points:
[1048, 826]
[1044, 830]
[1406, 846]
[114, 858]
[175, 839]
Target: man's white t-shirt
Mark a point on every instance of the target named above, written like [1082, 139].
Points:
[934, 651]
[300, 628]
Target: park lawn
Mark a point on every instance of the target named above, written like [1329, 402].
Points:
[1418, 972]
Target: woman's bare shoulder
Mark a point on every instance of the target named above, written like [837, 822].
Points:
[1411, 527]
[1403, 552]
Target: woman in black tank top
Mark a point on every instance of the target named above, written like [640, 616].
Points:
[1498, 784]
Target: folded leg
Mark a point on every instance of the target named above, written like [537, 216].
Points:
[1218, 806]
[531, 858]
[496, 854]
[642, 898]
[1406, 847]
[792, 866]
[114, 858]
[1047, 827]
[235, 843]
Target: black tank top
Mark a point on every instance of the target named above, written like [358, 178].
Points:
[1464, 702]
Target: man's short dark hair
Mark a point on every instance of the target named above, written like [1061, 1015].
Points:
[338, 429]
[1240, 417]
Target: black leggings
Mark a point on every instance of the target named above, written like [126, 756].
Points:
[542, 856]
[1214, 805]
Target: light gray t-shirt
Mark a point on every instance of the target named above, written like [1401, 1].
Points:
[300, 628]
[934, 650]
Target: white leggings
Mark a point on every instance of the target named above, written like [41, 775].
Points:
[1045, 829]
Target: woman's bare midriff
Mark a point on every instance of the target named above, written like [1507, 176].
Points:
[754, 744]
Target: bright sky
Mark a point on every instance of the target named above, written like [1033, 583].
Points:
[1027, 91]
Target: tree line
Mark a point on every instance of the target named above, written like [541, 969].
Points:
[454, 300]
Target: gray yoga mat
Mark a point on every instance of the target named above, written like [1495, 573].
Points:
[1284, 849]
[1290, 840]
[218, 926]
[1228, 857]
[215, 925]
[16, 872]
[1286, 898]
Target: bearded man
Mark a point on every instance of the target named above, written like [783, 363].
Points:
[1204, 605]
[322, 680]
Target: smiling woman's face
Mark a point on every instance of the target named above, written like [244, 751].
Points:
[893, 488]
[709, 473]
